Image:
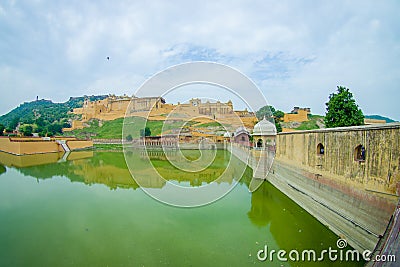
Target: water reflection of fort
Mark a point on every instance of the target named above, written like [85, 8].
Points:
[146, 172]
[110, 169]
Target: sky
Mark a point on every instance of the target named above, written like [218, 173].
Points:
[296, 52]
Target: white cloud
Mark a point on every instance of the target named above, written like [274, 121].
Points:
[297, 52]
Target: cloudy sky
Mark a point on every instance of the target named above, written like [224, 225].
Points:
[297, 52]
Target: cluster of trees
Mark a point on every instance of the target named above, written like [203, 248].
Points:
[2, 128]
[342, 111]
[42, 116]
[40, 126]
[44, 128]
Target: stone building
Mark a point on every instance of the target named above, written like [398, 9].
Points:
[166, 141]
[241, 136]
[297, 115]
[146, 103]
[197, 107]
[156, 108]
[114, 107]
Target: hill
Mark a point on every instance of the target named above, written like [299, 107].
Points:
[314, 122]
[46, 109]
[113, 129]
[44, 115]
[379, 117]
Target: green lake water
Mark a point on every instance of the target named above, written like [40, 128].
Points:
[86, 210]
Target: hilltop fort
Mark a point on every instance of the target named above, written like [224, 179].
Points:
[156, 108]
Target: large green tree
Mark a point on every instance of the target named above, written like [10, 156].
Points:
[2, 127]
[342, 110]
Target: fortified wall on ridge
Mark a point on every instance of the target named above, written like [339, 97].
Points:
[156, 108]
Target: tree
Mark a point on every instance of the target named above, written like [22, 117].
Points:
[270, 111]
[265, 111]
[278, 114]
[55, 128]
[342, 110]
[145, 132]
[2, 127]
[2, 169]
[26, 129]
[14, 123]
[278, 126]
[129, 138]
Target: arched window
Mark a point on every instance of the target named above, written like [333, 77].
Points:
[259, 143]
[243, 139]
[320, 149]
[359, 153]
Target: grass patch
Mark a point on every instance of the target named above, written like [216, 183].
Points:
[109, 130]
[314, 116]
[113, 129]
[308, 125]
[208, 124]
[311, 124]
[108, 147]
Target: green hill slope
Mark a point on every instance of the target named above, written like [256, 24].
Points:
[48, 111]
[42, 116]
[314, 122]
[113, 129]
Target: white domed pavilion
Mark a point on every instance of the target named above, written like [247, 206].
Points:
[264, 134]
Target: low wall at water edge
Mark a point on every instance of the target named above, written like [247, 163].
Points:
[37, 145]
[79, 144]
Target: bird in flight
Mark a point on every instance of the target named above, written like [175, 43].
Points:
[108, 58]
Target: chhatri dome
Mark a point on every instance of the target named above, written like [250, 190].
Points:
[227, 134]
[264, 127]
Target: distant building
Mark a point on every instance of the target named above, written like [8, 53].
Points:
[297, 115]
[114, 107]
[297, 109]
[197, 107]
[242, 136]
[373, 121]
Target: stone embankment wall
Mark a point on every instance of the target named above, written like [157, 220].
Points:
[36, 145]
[354, 193]
[378, 172]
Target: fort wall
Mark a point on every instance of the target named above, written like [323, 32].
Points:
[300, 116]
[155, 108]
